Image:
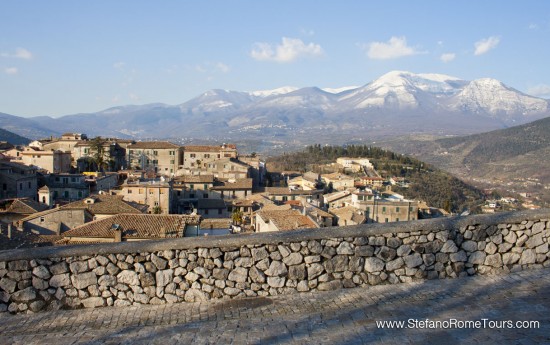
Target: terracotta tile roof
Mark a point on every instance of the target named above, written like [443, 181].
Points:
[135, 226]
[194, 179]
[336, 176]
[153, 145]
[201, 148]
[286, 191]
[288, 219]
[216, 223]
[21, 239]
[243, 183]
[106, 204]
[26, 206]
[337, 195]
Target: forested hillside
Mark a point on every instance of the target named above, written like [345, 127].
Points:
[436, 187]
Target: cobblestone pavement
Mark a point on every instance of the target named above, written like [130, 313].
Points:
[336, 317]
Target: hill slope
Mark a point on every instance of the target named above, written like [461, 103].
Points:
[12, 138]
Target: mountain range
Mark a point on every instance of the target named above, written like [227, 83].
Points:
[395, 104]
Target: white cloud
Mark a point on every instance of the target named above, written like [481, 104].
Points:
[533, 26]
[447, 57]
[11, 70]
[396, 47]
[289, 50]
[222, 67]
[119, 65]
[20, 53]
[486, 44]
[540, 90]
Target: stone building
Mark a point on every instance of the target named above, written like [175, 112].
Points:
[157, 194]
[161, 156]
[17, 181]
[198, 156]
[53, 161]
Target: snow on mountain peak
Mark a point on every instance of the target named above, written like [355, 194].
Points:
[278, 91]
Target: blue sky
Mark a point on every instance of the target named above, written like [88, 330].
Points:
[65, 57]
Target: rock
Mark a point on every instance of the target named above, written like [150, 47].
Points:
[284, 250]
[158, 262]
[302, 286]
[203, 272]
[93, 302]
[257, 275]
[528, 256]
[276, 269]
[195, 295]
[147, 279]
[293, 259]
[192, 276]
[477, 258]
[538, 227]
[339, 263]
[449, 247]
[315, 270]
[356, 263]
[18, 265]
[458, 257]
[59, 268]
[314, 247]
[413, 260]
[469, 246]
[276, 282]
[230, 291]
[494, 260]
[328, 252]
[122, 303]
[164, 277]
[345, 248]
[259, 254]
[364, 250]
[40, 284]
[372, 265]
[535, 241]
[24, 295]
[79, 267]
[404, 250]
[386, 253]
[107, 280]
[8, 285]
[128, 277]
[41, 272]
[112, 269]
[37, 306]
[239, 275]
[511, 237]
[244, 261]
[395, 264]
[220, 273]
[311, 259]
[297, 272]
[60, 280]
[83, 280]
[328, 286]
[429, 259]
[510, 258]
[542, 249]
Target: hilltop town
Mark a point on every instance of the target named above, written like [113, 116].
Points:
[80, 190]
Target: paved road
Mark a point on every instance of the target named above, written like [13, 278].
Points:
[336, 317]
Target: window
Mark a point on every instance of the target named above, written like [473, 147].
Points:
[192, 155]
[56, 179]
[73, 179]
[384, 209]
[172, 161]
[172, 153]
[156, 203]
[396, 219]
[131, 151]
[4, 186]
[191, 186]
[205, 211]
[219, 211]
[205, 195]
[80, 194]
[42, 219]
[20, 186]
[161, 191]
[151, 192]
[397, 209]
[178, 193]
[206, 155]
[70, 214]
[205, 186]
[141, 191]
[129, 191]
[155, 153]
[192, 196]
[227, 155]
[66, 194]
[30, 184]
[386, 220]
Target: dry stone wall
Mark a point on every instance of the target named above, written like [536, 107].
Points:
[196, 269]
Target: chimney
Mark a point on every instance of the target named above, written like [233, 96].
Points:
[9, 231]
[118, 232]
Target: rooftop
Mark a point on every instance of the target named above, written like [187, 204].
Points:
[153, 145]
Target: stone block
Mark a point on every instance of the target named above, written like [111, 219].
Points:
[345, 248]
[395, 264]
[329, 286]
[239, 274]
[449, 247]
[163, 277]
[24, 295]
[494, 260]
[276, 269]
[295, 259]
[373, 265]
[413, 260]
[60, 280]
[83, 280]
[93, 302]
[528, 256]
[79, 267]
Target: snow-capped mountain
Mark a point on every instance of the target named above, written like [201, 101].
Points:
[397, 103]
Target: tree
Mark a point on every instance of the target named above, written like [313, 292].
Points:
[98, 153]
[237, 216]
[157, 210]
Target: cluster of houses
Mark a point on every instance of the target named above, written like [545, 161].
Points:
[56, 191]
